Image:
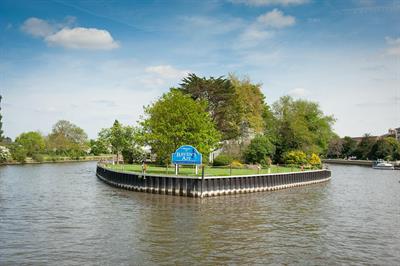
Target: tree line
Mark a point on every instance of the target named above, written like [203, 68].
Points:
[226, 116]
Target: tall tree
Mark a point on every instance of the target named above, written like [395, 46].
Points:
[220, 95]
[364, 147]
[349, 146]
[250, 106]
[301, 125]
[176, 119]
[67, 138]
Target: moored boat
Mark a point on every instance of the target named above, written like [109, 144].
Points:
[382, 165]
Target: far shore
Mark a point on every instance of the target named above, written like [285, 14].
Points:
[65, 160]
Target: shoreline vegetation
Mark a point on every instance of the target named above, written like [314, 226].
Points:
[61, 159]
[227, 119]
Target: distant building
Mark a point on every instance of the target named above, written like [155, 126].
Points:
[393, 132]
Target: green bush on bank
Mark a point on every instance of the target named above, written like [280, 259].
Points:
[222, 160]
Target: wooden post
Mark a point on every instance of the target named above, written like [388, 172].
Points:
[230, 169]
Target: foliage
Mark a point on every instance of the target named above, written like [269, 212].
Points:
[259, 150]
[122, 139]
[301, 125]
[18, 152]
[335, 148]
[236, 164]
[349, 146]
[219, 93]
[5, 154]
[222, 160]
[133, 154]
[295, 157]
[314, 160]
[175, 120]
[67, 139]
[363, 150]
[1, 123]
[33, 142]
[385, 148]
[98, 147]
[38, 157]
[250, 105]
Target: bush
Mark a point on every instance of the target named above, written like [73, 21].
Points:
[133, 154]
[222, 160]
[314, 160]
[19, 153]
[38, 157]
[236, 164]
[295, 158]
[259, 150]
[5, 154]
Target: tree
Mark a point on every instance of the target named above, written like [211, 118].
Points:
[1, 123]
[349, 146]
[122, 140]
[32, 142]
[385, 148]
[335, 147]
[220, 96]
[301, 125]
[259, 150]
[176, 119]
[363, 149]
[249, 103]
[98, 147]
[67, 139]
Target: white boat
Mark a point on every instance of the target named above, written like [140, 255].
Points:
[382, 165]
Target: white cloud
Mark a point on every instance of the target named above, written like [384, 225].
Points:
[276, 19]
[269, 2]
[211, 25]
[298, 92]
[167, 71]
[37, 27]
[394, 46]
[60, 34]
[253, 35]
[83, 38]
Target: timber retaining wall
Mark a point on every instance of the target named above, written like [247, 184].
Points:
[192, 186]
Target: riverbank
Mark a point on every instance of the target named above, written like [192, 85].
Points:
[62, 160]
[206, 186]
[367, 163]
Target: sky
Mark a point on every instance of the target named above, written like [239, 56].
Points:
[91, 62]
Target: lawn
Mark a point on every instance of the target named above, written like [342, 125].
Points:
[208, 170]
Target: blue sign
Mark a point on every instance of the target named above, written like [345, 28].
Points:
[186, 155]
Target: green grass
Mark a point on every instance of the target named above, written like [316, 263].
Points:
[209, 171]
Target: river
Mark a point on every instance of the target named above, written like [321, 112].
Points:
[62, 214]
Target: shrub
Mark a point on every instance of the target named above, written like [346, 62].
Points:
[259, 150]
[236, 164]
[19, 153]
[5, 154]
[222, 160]
[38, 157]
[314, 160]
[295, 158]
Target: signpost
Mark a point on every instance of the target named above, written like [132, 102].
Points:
[187, 155]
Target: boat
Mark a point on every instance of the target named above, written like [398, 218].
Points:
[382, 165]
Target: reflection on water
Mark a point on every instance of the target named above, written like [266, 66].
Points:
[61, 213]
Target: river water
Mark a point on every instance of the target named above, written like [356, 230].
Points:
[62, 214]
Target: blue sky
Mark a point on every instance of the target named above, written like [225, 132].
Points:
[91, 62]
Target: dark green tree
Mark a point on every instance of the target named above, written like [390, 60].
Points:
[260, 150]
[176, 119]
[220, 96]
[385, 148]
[349, 146]
[363, 150]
